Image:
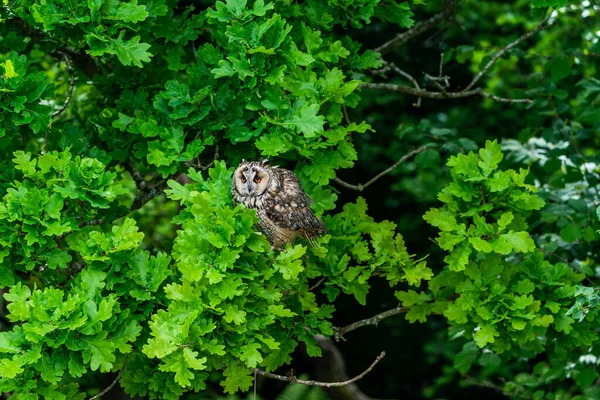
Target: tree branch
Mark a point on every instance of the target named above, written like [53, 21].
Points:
[439, 95]
[469, 90]
[418, 29]
[80, 58]
[440, 78]
[71, 72]
[503, 99]
[147, 194]
[361, 186]
[293, 379]
[407, 76]
[340, 332]
[144, 196]
[316, 285]
[542, 25]
[207, 166]
[139, 180]
[486, 384]
[111, 385]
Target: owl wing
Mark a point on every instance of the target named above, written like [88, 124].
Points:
[289, 208]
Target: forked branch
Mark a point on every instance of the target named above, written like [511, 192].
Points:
[293, 379]
[361, 186]
[442, 82]
[394, 67]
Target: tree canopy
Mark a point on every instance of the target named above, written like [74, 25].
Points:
[451, 148]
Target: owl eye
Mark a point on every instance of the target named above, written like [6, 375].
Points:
[257, 179]
[243, 180]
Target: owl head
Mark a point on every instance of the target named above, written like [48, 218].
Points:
[252, 178]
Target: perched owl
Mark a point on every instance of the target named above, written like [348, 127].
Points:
[279, 200]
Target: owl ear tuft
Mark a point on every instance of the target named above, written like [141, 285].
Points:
[265, 162]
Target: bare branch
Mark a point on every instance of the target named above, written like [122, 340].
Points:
[439, 95]
[418, 29]
[407, 76]
[293, 379]
[102, 393]
[503, 99]
[361, 186]
[316, 285]
[419, 93]
[440, 78]
[542, 25]
[436, 82]
[71, 73]
[369, 321]
[442, 82]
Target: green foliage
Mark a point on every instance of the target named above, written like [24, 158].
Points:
[20, 94]
[121, 124]
[501, 295]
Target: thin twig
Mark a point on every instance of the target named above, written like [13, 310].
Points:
[440, 78]
[361, 186]
[407, 76]
[469, 380]
[346, 117]
[542, 25]
[111, 385]
[369, 321]
[316, 285]
[469, 90]
[143, 197]
[95, 221]
[436, 82]
[503, 99]
[71, 72]
[255, 384]
[417, 29]
[439, 95]
[293, 379]
[207, 166]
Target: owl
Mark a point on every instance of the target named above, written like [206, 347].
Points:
[279, 200]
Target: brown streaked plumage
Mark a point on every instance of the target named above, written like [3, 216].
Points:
[279, 200]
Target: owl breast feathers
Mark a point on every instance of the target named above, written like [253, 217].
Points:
[279, 200]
